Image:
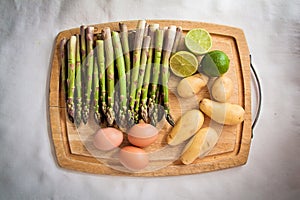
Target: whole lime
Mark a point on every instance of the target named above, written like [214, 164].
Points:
[215, 63]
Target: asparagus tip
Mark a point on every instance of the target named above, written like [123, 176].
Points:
[144, 114]
[84, 118]
[77, 122]
[170, 119]
[77, 118]
[131, 118]
[97, 117]
[122, 120]
[153, 113]
[71, 118]
[110, 116]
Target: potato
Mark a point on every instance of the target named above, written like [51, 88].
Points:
[191, 85]
[222, 89]
[185, 127]
[199, 145]
[223, 113]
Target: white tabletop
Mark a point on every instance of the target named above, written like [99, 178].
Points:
[28, 168]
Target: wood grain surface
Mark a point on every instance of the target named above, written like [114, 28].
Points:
[73, 147]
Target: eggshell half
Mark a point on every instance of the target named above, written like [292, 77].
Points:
[133, 158]
[107, 139]
[142, 134]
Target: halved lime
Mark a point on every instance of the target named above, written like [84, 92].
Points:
[198, 41]
[215, 63]
[183, 64]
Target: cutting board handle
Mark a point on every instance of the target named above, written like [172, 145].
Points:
[259, 97]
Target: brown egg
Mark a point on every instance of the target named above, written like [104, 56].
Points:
[107, 139]
[142, 134]
[133, 158]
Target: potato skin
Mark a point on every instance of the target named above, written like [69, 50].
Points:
[191, 85]
[185, 127]
[199, 145]
[222, 89]
[223, 113]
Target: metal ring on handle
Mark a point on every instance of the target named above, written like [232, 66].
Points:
[257, 82]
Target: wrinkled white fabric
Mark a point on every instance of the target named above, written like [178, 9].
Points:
[28, 168]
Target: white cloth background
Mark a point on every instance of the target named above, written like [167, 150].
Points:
[28, 168]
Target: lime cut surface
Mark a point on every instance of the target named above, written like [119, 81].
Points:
[198, 41]
[183, 64]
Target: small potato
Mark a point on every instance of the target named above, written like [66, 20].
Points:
[191, 85]
[186, 127]
[223, 113]
[199, 145]
[222, 89]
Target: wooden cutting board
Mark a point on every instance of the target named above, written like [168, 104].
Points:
[72, 145]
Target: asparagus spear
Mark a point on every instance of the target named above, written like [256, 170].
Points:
[145, 53]
[83, 42]
[102, 76]
[146, 30]
[120, 64]
[109, 62]
[83, 56]
[89, 73]
[154, 111]
[136, 63]
[159, 102]
[126, 52]
[62, 59]
[177, 39]
[78, 83]
[144, 110]
[159, 36]
[97, 115]
[168, 44]
[71, 77]
[116, 100]
[131, 36]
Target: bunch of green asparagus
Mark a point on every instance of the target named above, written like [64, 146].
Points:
[121, 75]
